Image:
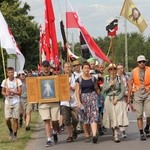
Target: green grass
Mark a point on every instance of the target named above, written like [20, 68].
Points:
[23, 136]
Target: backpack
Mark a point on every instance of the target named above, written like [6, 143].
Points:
[93, 80]
[80, 79]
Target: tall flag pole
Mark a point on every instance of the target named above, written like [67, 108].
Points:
[131, 13]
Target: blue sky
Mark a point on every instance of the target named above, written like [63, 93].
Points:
[94, 14]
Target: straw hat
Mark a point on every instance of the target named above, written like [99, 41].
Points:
[111, 66]
[75, 63]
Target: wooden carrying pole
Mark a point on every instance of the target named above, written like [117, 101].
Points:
[3, 60]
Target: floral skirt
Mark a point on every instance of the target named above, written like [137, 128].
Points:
[90, 113]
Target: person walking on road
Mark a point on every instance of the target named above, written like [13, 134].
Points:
[114, 107]
[69, 108]
[11, 90]
[139, 87]
[87, 95]
[49, 112]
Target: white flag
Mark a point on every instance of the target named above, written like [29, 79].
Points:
[8, 42]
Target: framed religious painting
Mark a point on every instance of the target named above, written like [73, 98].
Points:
[48, 90]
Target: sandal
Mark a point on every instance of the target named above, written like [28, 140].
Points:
[69, 139]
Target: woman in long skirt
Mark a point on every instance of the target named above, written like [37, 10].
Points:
[114, 108]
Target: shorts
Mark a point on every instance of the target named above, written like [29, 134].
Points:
[25, 106]
[140, 105]
[12, 111]
[70, 116]
[49, 111]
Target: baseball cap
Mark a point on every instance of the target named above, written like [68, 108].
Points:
[21, 72]
[45, 63]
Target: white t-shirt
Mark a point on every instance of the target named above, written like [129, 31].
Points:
[77, 75]
[73, 100]
[13, 85]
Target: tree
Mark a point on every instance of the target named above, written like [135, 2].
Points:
[24, 29]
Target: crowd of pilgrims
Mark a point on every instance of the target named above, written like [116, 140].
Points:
[98, 102]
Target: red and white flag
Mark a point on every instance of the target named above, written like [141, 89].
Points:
[42, 44]
[8, 42]
[73, 21]
[50, 32]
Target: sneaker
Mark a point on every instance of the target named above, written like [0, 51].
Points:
[147, 132]
[62, 127]
[14, 138]
[27, 128]
[87, 140]
[94, 139]
[69, 139]
[100, 131]
[48, 143]
[142, 137]
[11, 136]
[55, 138]
[20, 123]
[116, 139]
[104, 129]
[75, 134]
[124, 135]
[116, 136]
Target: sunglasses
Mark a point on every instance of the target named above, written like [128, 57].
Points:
[112, 69]
[142, 62]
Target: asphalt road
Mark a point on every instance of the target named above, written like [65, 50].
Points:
[105, 142]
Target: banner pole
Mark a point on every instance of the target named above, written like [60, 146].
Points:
[2, 52]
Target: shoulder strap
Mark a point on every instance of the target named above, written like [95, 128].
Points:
[107, 79]
[17, 82]
[119, 79]
[5, 83]
[93, 79]
[80, 80]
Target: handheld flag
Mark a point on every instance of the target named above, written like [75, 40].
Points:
[93, 47]
[112, 28]
[131, 13]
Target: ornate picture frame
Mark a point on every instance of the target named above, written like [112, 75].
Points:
[45, 89]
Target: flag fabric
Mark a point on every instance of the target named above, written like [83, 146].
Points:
[66, 50]
[85, 50]
[71, 21]
[20, 56]
[131, 13]
[112, 28]
[51, 40]
[42, 45]
[94, 49]
[8, 42]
